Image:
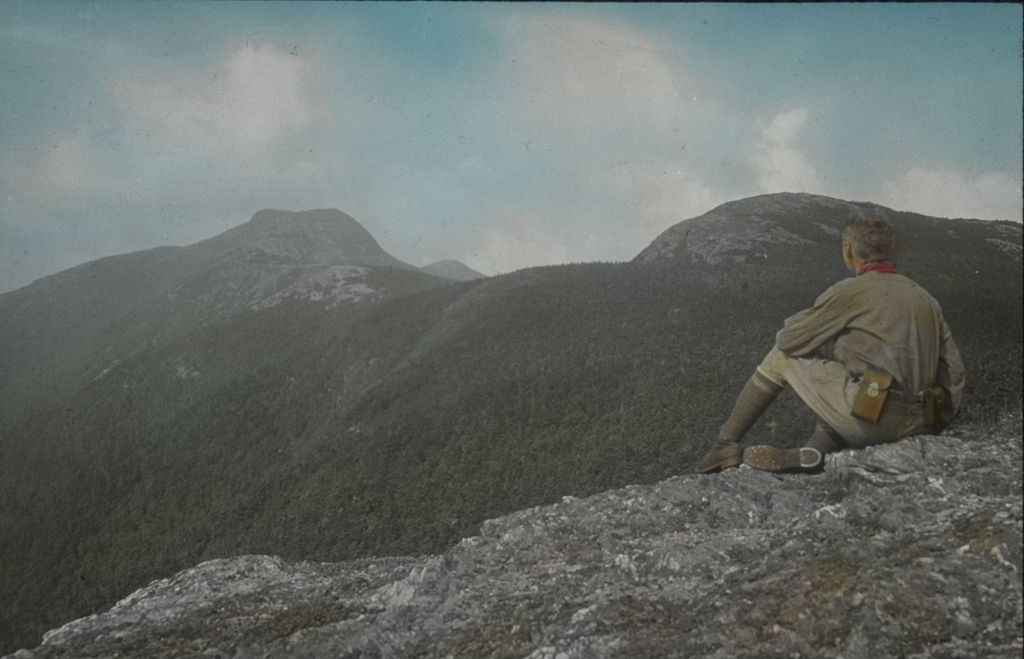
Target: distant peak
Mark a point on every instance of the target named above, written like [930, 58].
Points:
[450, 269]
[782, 200]
[272, 219]
[312, 215]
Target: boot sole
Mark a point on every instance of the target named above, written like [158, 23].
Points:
[773, 458]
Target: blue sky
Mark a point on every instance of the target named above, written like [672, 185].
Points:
[504, 135]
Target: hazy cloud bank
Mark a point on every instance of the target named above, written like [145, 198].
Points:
[564, 134]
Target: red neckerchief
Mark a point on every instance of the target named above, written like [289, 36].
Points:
[877, 266]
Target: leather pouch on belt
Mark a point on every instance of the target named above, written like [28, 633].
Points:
[871, 395]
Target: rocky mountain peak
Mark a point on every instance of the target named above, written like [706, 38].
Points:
[751, 229]
[321, 255]
[795, 228]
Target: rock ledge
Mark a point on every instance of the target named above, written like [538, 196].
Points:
[911, 550]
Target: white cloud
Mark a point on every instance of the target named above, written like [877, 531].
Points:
[515, 240]
[567, 71]
[658, 195]
[62, 171]
[633, 203]
[780, 165]
[254, 98]
[993, 196]
[58, 175]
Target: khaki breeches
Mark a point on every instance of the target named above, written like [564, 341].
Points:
[828, 389]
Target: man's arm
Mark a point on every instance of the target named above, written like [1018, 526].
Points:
[806, 331]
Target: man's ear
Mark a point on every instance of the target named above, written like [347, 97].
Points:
[848, 257]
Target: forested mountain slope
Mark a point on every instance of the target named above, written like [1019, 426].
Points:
[325, 431]
[65, 330]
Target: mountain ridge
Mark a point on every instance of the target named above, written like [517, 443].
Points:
[754, 228]
[391, 426]
[323, 255]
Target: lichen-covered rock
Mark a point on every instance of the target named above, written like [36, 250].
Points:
[906, 550]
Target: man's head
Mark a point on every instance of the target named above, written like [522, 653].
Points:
[868, 239]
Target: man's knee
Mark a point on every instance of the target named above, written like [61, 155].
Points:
[766, 384]
[774, 369]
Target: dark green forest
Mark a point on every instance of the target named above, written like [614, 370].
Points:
[396, 427]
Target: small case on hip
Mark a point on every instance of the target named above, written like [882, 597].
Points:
[871, 395]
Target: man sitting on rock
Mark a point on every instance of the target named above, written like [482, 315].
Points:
[873, 358]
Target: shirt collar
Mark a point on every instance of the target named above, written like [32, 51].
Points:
[877, 266]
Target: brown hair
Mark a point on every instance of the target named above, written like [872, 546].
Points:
[873, 239]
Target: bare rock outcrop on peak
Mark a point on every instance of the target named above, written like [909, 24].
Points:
[793, 228]
[911, 549]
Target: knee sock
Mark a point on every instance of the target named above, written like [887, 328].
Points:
[757, 394]
[824, 438]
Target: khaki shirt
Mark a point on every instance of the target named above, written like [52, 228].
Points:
[883, 321]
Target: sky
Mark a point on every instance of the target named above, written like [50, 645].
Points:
[503, 135]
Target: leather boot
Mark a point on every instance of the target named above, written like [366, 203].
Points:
[724, 455]
[755, 397]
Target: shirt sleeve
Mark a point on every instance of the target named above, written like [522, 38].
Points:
[951, 375]
[807, 330]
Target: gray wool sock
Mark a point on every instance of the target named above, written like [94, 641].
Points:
[757, 394]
